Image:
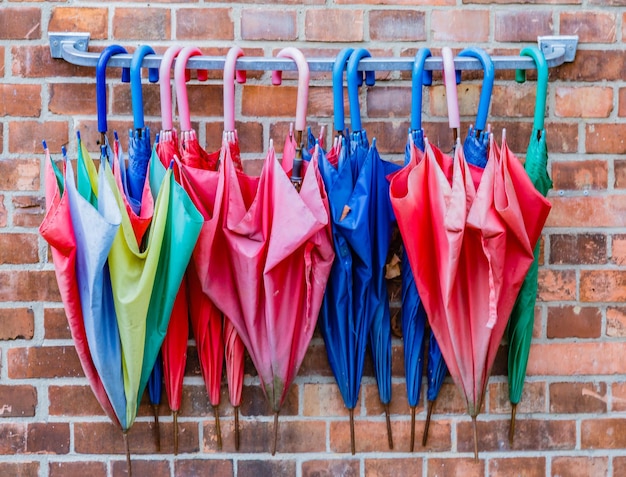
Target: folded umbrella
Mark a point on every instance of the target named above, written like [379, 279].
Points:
[522, 320]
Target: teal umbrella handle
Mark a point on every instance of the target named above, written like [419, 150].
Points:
[338, 66]
[542, 83]
[419, 78]
[489, 72]
[354, 81]
[135, 82]
[101, 83]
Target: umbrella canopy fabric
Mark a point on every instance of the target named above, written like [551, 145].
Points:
[521, 322]
[95, 227]
[56, 228]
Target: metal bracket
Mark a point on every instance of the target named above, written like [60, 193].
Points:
[553, 45]
[80, 42]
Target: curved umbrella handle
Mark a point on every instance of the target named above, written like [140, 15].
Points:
[164, 86]
[136, 94]
[338, 66]
[542, 83]
[449, 79]
[230, 71]
[101, 83]
[419, 78]
[303, 83]
[354, 81]
[485, 92]
[181, 87]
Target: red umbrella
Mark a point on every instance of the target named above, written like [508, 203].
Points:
[206, 318]
[56, 228]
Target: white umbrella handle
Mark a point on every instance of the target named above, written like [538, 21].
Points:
[449, 79]
[303, 83]
[165, 87]
[229, 87]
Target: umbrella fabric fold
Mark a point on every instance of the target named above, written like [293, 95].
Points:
[57, 229]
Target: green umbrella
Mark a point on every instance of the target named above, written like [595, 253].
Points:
[521, 322]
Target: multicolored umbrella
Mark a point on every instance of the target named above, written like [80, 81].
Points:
[521, 322]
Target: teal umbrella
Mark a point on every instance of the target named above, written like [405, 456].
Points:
[521, 322]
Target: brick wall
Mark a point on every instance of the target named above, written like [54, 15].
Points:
[571, 418]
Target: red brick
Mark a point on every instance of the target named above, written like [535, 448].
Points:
[452, 467]
[621, 101]
[35, 62]
[512, 100]
[390, 136]
[73, 401]
[122, 102]
[527, 2]
[577, 398]
[533, 398]
[17, 400]
[398, 467]
[256, 468]
[618, 394]
[28, 286]
[18, 248]
[602, 285]
[530, 434]
[388, 102]
[599, 433]
[20, 23]
[253, 403]
[48, 438]
[269, 101]
[250, 136]
[578, 249]
[618, 253]
[584, 102]
[55, 324]
[396, 2]
[576, 358]
[616, 321]
[606, 211]
[593, 66]
[28, 210]
[323, 400]
[153, 468]
[371, 436]
[521, 466]
[574, 322]
[523, 25]
[605, 138]
[460, 25]
[580, 175]
[619, 465]
[560, 137]
[590, 26]
[345, 467]
[204, 24]
[43, 362]
[72, 99]
[183, 468]
[105, 438]
[584, 465]
[12, 438]
[329, 25]
[556, 285]
[619, 167]
[77, 469]
[398, 405]
[268, 25]
[2, 70]
[25, 136]
[144, 23]
[19, 175]
[16, 323]
[20, 469]
[20, 100]
[95, 21]
[397, 25]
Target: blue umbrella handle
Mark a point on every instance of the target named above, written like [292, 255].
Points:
[542, 83]
[101, 83]
[135, 82]
[338, 66]
[420, 78]
[485, 93]
[354, 81]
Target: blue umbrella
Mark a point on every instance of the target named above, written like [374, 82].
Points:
[381, 220]
[477, 140]
[139, 146]
[343, 320]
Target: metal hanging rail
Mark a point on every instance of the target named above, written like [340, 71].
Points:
[72, 47]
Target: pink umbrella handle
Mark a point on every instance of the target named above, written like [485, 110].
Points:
[165, 86]
[229, 87]
[449, 79]
[181, 87]
[303, 83]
